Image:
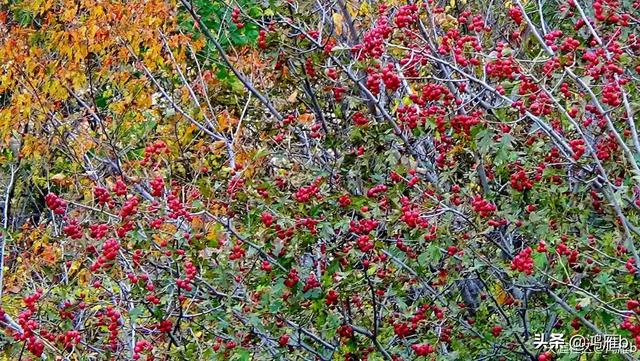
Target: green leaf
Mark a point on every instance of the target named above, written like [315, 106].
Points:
[313, 294]
[135, 313]
[241, 355]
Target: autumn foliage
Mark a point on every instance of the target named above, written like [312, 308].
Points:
[317, 180]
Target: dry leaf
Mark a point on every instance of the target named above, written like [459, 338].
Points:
[293, 97]
[306, 118]
[59, 179]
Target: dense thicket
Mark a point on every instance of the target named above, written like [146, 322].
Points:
[318, 180]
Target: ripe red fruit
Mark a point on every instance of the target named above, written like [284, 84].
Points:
[332, 298]
[262, 39]
[120, 188]
[56, 204]
[344, 201]
[359, 119]
[266, 266]
[311, 282]
[345, 331]
[375, 190]
[407, 15]
[496, 330]
[483, 207]
[235, 18]
[284, 340]
[267, 219]
[542, 247]
[523, 262]
[292, 278]
[520, 181]
[577, 145]
[546, 356]
[423, 349]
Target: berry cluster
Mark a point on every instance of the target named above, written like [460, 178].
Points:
[177, 209]
[111, 318]
[578, 147]
[332, 298]
[154, 150]
[344, 201]
[630, 265]
[338, 92]
[612, 95]
[164, 326]
[262, 39]
[483, 207]
[406, 16]
[130, 207]
[304, 194]
[606, 147]
[29, 326]
[190, 271]
[402, 329]
[311, 282]
[523, 262]
[364, 243]
[373, 81]
[120, 188]
[630, 323]
[237, 252]
[110, 250]
[363, 226]
[72, 229]
[462, 124]
[292, 278]
[408, 116]
[70, 339]
[266, 266]
[551, 37]
[520, 181]
[390, 78]
[422, 349]
[359, 119]
[375, 190]
[157, 186]
[56, 204]
[267, 219]
[102, 194]
[411, 215]
[142, 346]
[515, 14]
[345, 331]
[373, 40]
[496, 330]
[569, 45]
[503, 68]
[235, 18]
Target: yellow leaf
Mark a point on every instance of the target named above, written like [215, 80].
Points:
[363, 10]
[501, 295]
[84, 276]
[337, 22]
[75, 265]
